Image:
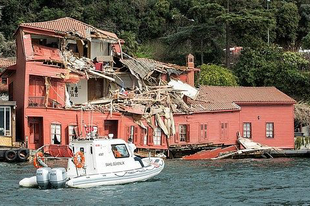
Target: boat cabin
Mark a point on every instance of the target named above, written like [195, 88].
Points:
[101, 156]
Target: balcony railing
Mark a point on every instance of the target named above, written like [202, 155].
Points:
[40, 102]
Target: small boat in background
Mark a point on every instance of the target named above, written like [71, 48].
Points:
[95, 162]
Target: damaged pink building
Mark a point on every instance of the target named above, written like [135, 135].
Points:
[73, 80]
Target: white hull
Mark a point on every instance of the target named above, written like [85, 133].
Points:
[95, 163]
[29, 182]
[115, 178]
[112, 178]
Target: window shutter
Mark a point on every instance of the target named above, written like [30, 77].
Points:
[176, 137]
[163, 139]
[142, 133]
[76, 131]
[201, 129]
[188, 133]
[226, 131]
[135, 135]
[221, 130]
[127, 132]
[150, 136]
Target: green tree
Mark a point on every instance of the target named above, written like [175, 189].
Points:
[287, 24]
[248, 28]
[270, 66]
[50, 13]
[305, 42]
[304, 23]
[7, 48]
[216, 76]
[203, 34]
[131, 45]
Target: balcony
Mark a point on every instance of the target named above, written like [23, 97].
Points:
[40, 102]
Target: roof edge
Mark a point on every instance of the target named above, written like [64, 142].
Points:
[265, 102]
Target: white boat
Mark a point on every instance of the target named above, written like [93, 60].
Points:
[97, 162]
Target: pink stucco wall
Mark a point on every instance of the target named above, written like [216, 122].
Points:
[281, 115]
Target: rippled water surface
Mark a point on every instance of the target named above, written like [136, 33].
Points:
[224, 182]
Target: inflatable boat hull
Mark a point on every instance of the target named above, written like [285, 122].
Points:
[115, 178]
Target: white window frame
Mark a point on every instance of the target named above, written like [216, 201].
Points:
[269, 129]
[7, 130]
[71, 132]
[131, 133]
[183, 132]
[247, 130]
[58, 132]
[157, 136]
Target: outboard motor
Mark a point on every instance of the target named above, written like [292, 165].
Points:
[58, 177]
[43, 177]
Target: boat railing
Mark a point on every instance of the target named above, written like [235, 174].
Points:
[56, 151]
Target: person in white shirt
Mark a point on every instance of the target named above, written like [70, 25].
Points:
[132, 147]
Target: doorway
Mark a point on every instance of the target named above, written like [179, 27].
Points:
[35, 132]
[111, 127]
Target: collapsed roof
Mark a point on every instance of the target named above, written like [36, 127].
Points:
[69, 26]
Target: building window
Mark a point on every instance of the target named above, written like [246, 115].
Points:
[4, 81]
[145, 134]
[5, 121]
[157, 136]
[203, 131]
[247, 130]
[131, 133]
[270, 130]
[183, 132]
[56, 133]
[73, 134]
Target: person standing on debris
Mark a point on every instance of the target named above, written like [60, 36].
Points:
[132, 146]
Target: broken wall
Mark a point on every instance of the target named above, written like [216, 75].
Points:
[99, 48]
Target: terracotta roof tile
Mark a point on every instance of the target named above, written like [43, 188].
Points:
[67, 24]
[144, 67]
[6, 62]
[216, 98]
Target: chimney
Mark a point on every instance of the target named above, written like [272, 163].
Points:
[191, 70]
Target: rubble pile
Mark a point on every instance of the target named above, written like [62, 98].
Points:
[151, 97]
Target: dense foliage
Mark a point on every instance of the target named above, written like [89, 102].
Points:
[186, 26]
[216, 76]
[167, 30]
[271, 66]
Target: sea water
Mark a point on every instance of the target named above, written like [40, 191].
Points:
[281, 181]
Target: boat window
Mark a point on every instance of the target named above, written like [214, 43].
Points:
[120, 150]
[82, 149]
[91, 150]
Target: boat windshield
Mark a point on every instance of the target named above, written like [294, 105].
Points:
[120, 150]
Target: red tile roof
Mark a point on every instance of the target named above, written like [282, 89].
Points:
[6, 62]
[215, 98]
[67, 24]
